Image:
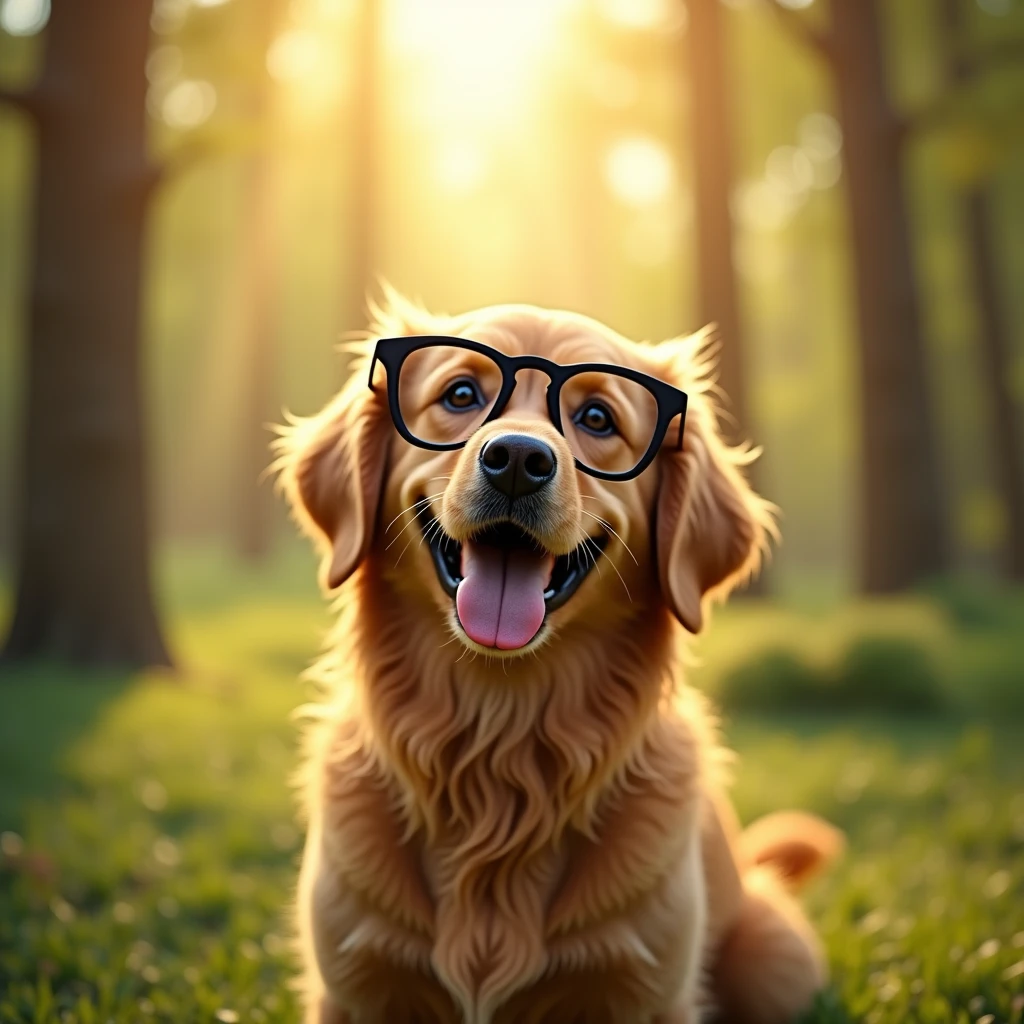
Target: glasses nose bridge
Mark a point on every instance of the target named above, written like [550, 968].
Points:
[535, 365]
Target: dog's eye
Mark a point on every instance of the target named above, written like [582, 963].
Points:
[462, 395]
[595, 418]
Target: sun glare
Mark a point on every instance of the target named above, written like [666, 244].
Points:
[478, 55]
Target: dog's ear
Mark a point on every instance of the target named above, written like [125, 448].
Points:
[332, 465]
[711, 528]
[332, 471]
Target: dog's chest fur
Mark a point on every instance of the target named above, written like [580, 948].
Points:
[491, 866]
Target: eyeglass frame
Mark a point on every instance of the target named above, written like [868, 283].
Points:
[391, 353]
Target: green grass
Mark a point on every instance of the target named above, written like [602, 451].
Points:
[150, 844]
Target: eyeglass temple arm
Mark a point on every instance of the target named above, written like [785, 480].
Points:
[373, 366]
[682, 425]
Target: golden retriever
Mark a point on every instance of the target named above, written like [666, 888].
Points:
[517, 815]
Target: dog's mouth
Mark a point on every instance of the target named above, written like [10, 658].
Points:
[503, 582]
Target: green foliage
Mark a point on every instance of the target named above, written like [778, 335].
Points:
[775, 680]
[876, 674]
[979, 605]
[960, 650]
[150, 842]
[889, 674]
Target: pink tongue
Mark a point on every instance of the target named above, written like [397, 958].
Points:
[500, 600]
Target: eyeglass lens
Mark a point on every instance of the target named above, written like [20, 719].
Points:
[446, 392]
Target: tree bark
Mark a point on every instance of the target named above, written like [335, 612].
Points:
[83, 589]
[977, 217]
[711, 142]
[902, 522]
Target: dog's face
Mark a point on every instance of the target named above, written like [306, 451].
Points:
[505, 542]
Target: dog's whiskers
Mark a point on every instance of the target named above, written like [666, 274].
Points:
[398, 535]
[433, 529]
[415, 506]
[615, 568]
[403, 551]
[583, 546]
[434, 521]
[608, 526]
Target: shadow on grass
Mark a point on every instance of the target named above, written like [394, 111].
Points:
[44, 709]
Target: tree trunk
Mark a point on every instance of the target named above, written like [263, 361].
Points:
[977, 217]
[83, 590]
[718, 300]
[363, 149]
[259, 301]
[711, 142]
[902, 527]
[1007, 435]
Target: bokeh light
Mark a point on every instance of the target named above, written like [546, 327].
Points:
[296, 55]
[789, 169]
[820, 136]
[762, 206]
[164, 64]
[460, 165]
[189, 104]
[639, 171]
[643, 15]
[24, 17]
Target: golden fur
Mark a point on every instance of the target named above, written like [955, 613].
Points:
[540, 836]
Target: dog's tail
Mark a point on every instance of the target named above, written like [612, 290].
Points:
[771, 963]
[793, 845]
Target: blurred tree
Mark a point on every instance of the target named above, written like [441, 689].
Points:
[711, 142]
[977, 216]
[260, 296]
[83, 589]
[362, 134]
[902, 513]
[711, 119]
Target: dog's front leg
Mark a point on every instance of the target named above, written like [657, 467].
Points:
[691, 906]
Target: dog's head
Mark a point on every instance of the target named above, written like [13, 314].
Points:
[505, 542]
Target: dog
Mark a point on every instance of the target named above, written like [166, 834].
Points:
[516, 807]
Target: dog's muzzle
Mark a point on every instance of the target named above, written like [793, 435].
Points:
[503, 581]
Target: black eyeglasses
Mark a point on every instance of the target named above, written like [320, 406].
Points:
[441, 390]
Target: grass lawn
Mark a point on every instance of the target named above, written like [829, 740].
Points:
[149, 843]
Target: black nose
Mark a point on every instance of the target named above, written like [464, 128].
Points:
[517, 464]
